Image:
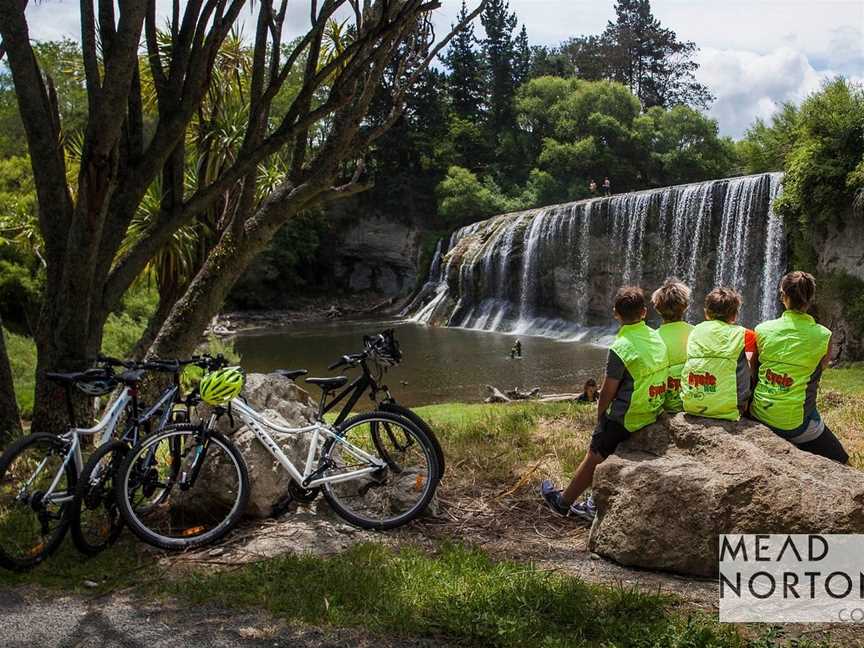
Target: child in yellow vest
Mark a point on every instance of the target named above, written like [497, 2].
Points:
[792, 352]
[631, 397]
[671, 301]
[715, 379]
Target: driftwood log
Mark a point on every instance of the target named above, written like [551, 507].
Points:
[497, 396]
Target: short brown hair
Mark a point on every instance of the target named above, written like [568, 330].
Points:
[722, 304]
[629, 303]
[671, 299]
[799, 288]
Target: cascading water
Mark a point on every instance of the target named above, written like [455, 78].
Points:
[553, 271]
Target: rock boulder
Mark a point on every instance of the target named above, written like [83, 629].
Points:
[286, 404]
[668, 492]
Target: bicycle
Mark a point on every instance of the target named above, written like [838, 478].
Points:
[366, 483]
[45, 485]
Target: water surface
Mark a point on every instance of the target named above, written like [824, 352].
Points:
[440, 364]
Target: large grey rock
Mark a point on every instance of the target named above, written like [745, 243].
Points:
[286, 404]
[666, 494]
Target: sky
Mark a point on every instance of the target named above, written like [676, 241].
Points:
[754, 54]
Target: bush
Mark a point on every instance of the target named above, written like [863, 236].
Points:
[22, 359]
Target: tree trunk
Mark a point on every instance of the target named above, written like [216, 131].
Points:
[226, 262]
[10, 421]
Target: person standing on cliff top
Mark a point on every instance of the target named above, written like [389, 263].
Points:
[631, 397]
[671, 301]
[607, 187]
[792, 352]
[592, 187]
[715, 380]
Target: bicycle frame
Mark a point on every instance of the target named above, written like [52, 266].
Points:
[320, 432]
[105, 429]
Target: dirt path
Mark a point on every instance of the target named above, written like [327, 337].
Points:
[30, 617]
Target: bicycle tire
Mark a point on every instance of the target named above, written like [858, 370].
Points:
[215, 534]
[412, 416]
[432, 479]
[49, 545]
[85, 497]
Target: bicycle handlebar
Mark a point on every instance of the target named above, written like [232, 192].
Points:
[351, 359]
[205, 361]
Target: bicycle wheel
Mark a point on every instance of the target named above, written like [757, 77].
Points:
[183, 487]
[399, 410]
[96, 522]
[399, 490]
[32, 525]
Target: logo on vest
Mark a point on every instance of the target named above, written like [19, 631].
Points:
[706, 381]
[781, 381]
[656, 390]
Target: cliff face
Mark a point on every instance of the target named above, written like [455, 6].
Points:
[378, 255]
[840, 274]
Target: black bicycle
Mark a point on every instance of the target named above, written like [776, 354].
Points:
[381, 352]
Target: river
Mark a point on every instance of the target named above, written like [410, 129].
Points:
[439, 364]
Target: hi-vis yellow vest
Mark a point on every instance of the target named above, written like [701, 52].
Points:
[790, 350]
[709, 383]
[643, 352]
[675, 335]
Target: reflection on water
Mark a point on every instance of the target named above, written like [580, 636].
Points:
[439, 365]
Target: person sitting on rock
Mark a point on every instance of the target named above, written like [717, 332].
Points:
[715, 379]
[589, 392]
[792, 352]
[671, 301]
[631, 397]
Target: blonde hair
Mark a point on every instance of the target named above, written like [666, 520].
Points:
[671, 299]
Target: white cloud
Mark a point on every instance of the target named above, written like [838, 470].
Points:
[749, 85]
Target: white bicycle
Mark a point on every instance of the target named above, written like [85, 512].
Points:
[46, 487]
[376, 470]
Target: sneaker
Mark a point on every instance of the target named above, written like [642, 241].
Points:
[584, 510]
[553, 498]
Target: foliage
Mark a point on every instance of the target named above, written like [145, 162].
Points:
[823, 162]
[464, 199]
[638, 51]
[765, 147]
[60, 61]
[591, 129]
[284, 268]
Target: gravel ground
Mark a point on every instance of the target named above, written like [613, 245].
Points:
[30, 617]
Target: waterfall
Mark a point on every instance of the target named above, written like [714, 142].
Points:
[554, 270]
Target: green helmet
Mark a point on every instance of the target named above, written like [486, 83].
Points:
[219, 387]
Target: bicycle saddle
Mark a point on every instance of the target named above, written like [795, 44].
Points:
[329, 383]
[131, 377]
[291, 374]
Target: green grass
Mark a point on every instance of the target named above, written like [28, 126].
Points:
[456, 593]
[22, 358]
[500, 440]
[847, 379]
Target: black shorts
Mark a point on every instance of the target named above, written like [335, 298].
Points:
[826, 445]
[607, 435]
